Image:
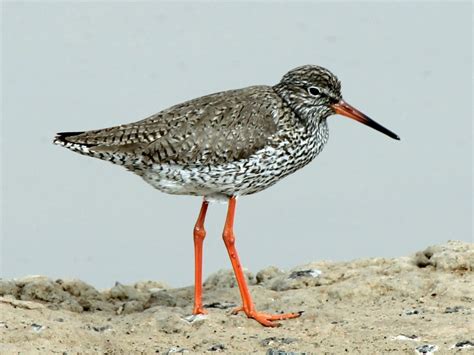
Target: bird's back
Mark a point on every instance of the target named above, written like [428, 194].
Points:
[213, 129]
[229, 143]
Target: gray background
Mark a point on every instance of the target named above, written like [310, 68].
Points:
[68, 67]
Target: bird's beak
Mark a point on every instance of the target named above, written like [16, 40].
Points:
[343, 108]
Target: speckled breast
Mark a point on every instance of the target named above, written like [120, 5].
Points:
[242, 177]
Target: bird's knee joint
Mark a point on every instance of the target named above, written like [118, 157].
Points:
[228, 236]
[199, 233]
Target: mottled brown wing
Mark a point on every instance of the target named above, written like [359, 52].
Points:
[213, 129]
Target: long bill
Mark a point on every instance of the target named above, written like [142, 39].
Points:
[343, 108]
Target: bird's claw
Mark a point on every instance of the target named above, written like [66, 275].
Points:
[268, 320]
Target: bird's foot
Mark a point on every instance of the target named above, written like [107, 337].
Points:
[199, 309]
[268, 320]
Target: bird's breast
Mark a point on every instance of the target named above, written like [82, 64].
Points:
[288, 153]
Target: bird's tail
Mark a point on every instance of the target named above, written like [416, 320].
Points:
[74, 141]
[90, 144]
[66, 139]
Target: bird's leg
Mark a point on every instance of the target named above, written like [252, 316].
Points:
[247, 303]
[199, 235]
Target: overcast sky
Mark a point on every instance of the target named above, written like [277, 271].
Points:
[73, 67]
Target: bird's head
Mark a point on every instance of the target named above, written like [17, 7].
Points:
[315, 94]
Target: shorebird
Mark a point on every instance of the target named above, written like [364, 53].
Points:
[225, 145]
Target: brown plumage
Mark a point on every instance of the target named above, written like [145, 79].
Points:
[213, 129]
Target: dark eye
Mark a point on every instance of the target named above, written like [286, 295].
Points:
[313, 90]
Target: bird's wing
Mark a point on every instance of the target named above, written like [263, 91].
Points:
[213, 129]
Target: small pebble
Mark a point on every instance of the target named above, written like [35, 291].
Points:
[342, 322]
[37, 327]
[305, 273]
[454, 309]
[410, 312]
[272, 340]
[426, 349]
[464, 344]
[102, 328]
[422, 259]
[406, 337]
[217, 347]
[281, 352]
[194, 318]
[220, 305]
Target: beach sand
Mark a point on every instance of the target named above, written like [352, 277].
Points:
[420, 303]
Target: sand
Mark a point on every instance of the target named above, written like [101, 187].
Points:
[417, 304]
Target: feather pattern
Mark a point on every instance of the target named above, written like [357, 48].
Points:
[217, 128]
[225, 144]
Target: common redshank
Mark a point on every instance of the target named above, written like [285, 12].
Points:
[226, 145]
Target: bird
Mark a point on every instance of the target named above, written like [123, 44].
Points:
[226, 145]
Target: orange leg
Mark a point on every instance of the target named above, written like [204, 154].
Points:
[247, 303]
[199, 235]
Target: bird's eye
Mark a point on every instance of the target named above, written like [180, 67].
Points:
[313, 90]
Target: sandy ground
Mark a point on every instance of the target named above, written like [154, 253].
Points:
[417, 304]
